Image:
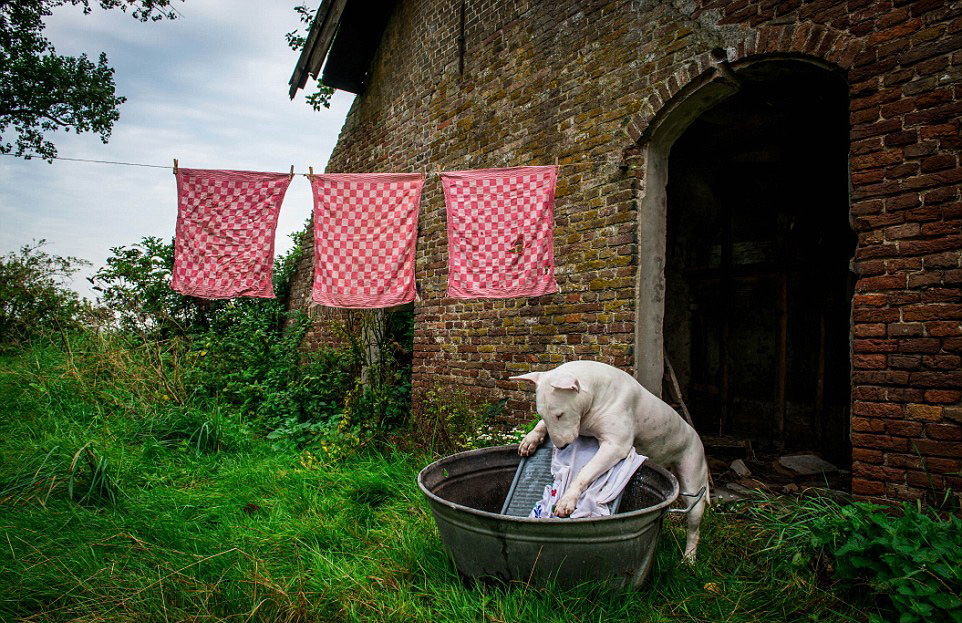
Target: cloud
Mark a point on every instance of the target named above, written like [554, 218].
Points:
[209, 89]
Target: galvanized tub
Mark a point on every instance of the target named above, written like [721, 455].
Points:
[466, 491]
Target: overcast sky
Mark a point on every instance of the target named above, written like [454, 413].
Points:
[209, 89]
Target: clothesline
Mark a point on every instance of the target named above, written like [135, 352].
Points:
[129, 164]
[424, 169]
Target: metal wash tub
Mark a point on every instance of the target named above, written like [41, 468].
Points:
[466, 491]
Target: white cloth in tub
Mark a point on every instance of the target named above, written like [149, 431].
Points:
[595, 501]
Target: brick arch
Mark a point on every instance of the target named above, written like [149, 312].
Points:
[817, 43]
[673, 105]
[808, 39]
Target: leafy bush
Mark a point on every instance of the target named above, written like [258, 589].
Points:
[135, 287]
[914, 559]
[307, 398]
[251, 361]
[449, 420]
[34, 297]
[911, 560]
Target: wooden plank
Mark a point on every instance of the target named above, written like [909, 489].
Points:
[781, 366]
[724, 347]
[820, 382]
[319, 40]
[676, 390]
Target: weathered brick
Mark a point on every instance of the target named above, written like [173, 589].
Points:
[909, 230]
[869, 362]
[869, 393]
[943, 328]
[925, 413]
[876, 409]
[949, 259]
[910, 461]
[932, 311]
[925, 247]
[924, 279]
[941, 295]
[948, 380]
[905, 362]
[869, 330]
[888, 282]
[882, 442]
[540, 83]
[938, 447]
[919, 345]
[922, 479]
[942, 362]
[903, 428]
[946, 432]
[953, 413]
[947, 396]
[905, 394]
[906, 329]
[863, 486]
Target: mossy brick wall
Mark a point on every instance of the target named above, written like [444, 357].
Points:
[584, 82]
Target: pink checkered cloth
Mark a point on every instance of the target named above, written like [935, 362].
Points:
[224, 244]
[365, 230]
[500, 232]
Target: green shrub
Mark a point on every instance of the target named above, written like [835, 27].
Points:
[307, 397]
[135, 287]
[34, 294]
[913, 559]
[449, 420]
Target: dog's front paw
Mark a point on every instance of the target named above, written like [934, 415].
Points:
[529, 444]
[566, 505]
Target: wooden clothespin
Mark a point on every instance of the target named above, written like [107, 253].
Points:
[292, 173]
[556, 161]
[175, 166]
[310, 175]
[439, 170]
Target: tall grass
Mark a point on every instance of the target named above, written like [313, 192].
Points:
[116, 508]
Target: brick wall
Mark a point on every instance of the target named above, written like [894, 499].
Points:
[584, 82]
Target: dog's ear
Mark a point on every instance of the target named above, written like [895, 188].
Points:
[565, 381]
[530, 376]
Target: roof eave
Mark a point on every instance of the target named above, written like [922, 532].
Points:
[318, 44]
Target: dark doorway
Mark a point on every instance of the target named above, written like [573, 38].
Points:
[757, 311]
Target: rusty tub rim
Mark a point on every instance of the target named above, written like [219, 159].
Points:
[668, 501]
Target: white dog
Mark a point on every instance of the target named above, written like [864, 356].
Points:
[596, 400]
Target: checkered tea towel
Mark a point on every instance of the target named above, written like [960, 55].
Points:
[500, 232]
[224, 243]
[365, 230]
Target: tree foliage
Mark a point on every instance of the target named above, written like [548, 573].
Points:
[34, 293]
[135, 287]
[42, 92]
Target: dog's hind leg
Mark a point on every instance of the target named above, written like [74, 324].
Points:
[692, 475]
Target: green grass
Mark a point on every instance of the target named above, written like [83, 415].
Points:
[175, 513]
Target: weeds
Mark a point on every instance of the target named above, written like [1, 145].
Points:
[86, 477]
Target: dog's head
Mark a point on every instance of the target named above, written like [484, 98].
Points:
[561, 401]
